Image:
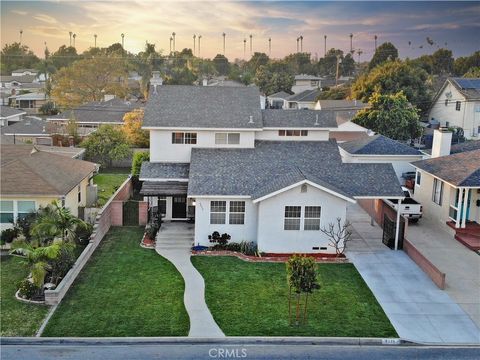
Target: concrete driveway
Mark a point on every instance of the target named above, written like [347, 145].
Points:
[417, 309]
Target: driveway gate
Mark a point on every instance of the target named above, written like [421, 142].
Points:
[389, 229]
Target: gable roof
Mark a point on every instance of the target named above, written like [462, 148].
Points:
[7, 111]
[30, 125]
[110, 111]
[151, 170]
[468, 87]
[274, 165]
[341, 104]
[307, 77]
[28, 171]
[203, 107]
[279, 95]
[279, 118]
[305, 96]
[461, 169]
[377, 145]
[465, 146]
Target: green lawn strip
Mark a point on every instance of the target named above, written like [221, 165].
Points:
[251, 299]
[107, 185]
[17, 318]
[124, 290]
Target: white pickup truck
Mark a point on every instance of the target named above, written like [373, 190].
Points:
[408, 206]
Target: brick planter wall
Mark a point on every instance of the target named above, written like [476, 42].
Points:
[142, 213]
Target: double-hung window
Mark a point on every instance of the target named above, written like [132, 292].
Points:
[184, 138]
[458, 105]
[6, 211]
[437, 191]
[292, 217]
[24, 208]
[312, 218]
[236, 214]
[227, 138]
[292, 132]
[218, 212]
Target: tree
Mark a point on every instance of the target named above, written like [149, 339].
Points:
[474, 72]
[302, 279]
[300, 63]
[132, 125]
[179, 76]
[89, 80]
[64, 56]
[348, 65]
[258, 59]
[106, 144]
[392, 77]
[385, 52]
[221, 64]
[338, 235]
[390, 115]
[274, 77]
[442, 62]
[138, 159]
[17, 56]
[463, 64]
[336, 93]
[327, 65]
[48, 109]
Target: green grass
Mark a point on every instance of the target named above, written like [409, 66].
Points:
[17, 318]
[251, 299]
[124, 290]
[107, 185]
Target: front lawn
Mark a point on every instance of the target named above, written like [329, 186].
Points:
[17, 318]
[124, 290]
[251, 299]
[107, 184]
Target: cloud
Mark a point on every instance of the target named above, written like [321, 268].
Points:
[19, 12]
[45, 18]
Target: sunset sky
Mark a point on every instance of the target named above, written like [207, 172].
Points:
[454, 23]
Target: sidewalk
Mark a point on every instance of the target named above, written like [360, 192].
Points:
[417, 309]
[174, 241]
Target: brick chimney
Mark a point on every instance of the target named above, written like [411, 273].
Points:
[442, 142]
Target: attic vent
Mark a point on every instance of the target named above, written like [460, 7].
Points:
[303, 189]
[251, 120]
[316, 120]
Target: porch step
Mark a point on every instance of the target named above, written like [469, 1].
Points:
[471, 228]
[470, 241]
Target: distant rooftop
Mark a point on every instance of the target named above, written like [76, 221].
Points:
[307, 77]
[341, 104]
[279, 118]
[7, 111]
[305, 96]
[377, 145]
[28, 126]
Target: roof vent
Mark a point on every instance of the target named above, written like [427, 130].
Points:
[304, 188]
[43, 130]
[316, 120]
[251, 120]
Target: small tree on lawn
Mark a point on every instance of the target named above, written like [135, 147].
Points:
[339, 235]
[302, 279]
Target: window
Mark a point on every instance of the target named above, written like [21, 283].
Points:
[419, 178]
[292, 132]
[218, 212]
[437, 191]
[162, 205]
[312, 218]
[79, 194]
[313, 82]
[184, 138]
[292, 217]
[6, 211]
[236, 214]
[458, 105]
[24, 208]
[227, 138]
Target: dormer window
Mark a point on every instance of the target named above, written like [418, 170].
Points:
[184, 138]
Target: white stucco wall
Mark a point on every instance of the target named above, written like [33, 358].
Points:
[467, 118]
[313, 135]
[271, 236]
[203, 228]
[162, 149]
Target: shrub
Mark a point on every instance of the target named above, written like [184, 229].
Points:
[59, 266]
[138, 159]
[151, 231]
[26, 289]
[248, 248]
[82, 234]
[8, 235]
[219, 239]
[25, 223]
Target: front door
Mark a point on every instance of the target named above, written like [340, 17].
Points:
[179, 207]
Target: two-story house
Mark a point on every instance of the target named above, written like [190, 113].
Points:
[457, 104]
[304, 82]
[268, 176]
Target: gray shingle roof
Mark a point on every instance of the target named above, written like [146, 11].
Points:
[6, 111]
[298, 118]
[462, 169]
[111, 111]
[342, 104]
[20, 79]
[28, 126]
[273, 165]
[465, 146]
[281, 95]
[203, 107]
[469, 87]
[151, 170]
[378, 145]
[305, 96]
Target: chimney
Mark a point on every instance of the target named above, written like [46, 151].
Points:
[156, 80]
[250, 121]
[442, 142]
[205, 82]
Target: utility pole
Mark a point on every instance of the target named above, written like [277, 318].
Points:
[301, 43]
[351, 44]
[173, 36]
[325, 46]
[95, 37]
[338, 68]
[171, 39]
[194, 43]
[223, 43]
[21, 33]
[244, 48]
[70, 33]
[123, 37]
[74, 36]
[359, 52]
[375, 37]
[298, 39]
[199, 37]
[251, 53]
[269, 47]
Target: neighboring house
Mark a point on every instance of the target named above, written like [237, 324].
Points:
[30, 130]
[380, 149]
[304, 82]
[351, 106]
[303, 100]
[448, 187]
[221, 81]
[30, 102]
[9, 116]
[91, 115]
[31, 178]
[277, 100]
[458, 104]
[269, 176]
[23, 72]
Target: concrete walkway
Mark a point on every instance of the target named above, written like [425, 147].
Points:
[461, 265]
[174, 241]
[417, 309]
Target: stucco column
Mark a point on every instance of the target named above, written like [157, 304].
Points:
[397, 228]
[465, 207]
[459, 207]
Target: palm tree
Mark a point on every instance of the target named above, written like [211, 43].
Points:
[95, 37]
[55, 220]
[74, 36]
[70, 33]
